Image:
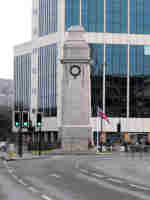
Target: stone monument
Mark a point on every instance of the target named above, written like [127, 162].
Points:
[76, 92]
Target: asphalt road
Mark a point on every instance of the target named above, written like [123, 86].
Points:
[64, 178]
[12, 190]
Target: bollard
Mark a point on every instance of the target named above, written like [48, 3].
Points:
[11, 150]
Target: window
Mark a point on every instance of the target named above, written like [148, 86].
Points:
[139, 82]
[72, 13]
[116, 80]
[47, 80]
[47, 16]
[22, 79]
[117, 16]
[147, 50]
[96, 77]
[92, 14]
[139, 16]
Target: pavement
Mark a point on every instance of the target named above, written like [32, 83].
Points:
[28, 155]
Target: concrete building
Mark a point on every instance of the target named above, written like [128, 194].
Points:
[118, 34]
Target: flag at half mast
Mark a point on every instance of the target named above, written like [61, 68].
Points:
[101, 114]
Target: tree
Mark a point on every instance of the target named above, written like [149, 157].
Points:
[5, 123]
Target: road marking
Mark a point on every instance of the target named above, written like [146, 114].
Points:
[32, 189]
[45, 197]
[22, 182]
[10, 171]
[98, 175]
[107, 185]
[15, 177]
[55, 175]
[139, 187]
[115, 180]
[57, 157]
[84, 170]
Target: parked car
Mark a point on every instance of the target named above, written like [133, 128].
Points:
[3, 146]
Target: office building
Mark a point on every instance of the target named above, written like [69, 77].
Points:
[118, 34]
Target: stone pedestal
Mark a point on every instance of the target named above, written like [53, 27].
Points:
[75, 139]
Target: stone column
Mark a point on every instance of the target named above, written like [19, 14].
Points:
[76, 98]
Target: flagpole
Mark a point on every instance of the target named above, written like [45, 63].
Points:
[97, 132]
[101, 133]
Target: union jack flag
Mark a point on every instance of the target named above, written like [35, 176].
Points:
[101, 114]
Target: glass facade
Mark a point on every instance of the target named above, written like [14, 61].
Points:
[47, 80]
[92, 14]
[117, 16]
[72, 11]
[139, 16]
[96, 77]
[116, 75]
[139, 81]
[116, 80]
[22, 82]
[47, 17]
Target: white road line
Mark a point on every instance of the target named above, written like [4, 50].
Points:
[115, 180]
[56, 157]
[22, 182]
[15, 177]
[139, 187]
[10, 171]
[55, 175]
[84, 170]
[45, 197]
[98, 175]
[136, 194]
[32, 189]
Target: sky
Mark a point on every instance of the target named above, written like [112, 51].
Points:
[15, 26]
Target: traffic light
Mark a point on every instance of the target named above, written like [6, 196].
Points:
[17, 119]
[39, 119]
[25, 119]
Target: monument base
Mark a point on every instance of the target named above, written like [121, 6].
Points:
[75, 139]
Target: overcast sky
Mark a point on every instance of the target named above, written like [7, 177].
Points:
[15, 26]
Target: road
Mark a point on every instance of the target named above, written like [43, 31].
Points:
[12, 190]
[64, 178]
